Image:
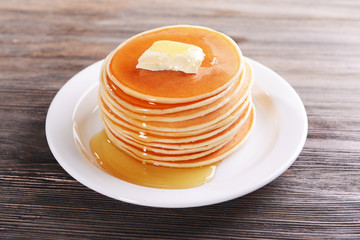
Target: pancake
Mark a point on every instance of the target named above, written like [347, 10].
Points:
[222, 65]
[188, 113]
[199, 122]
[174, 119]
[184, 125]
[190, 146]
[154, 137]
[216, 156]
[141, 106]
[148, 107]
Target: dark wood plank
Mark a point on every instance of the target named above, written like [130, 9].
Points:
[315, 46]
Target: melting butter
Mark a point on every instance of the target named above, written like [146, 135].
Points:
[171, 55]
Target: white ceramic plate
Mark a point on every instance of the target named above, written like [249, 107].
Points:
[277, 138]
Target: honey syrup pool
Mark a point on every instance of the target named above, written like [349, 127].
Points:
[121, 165]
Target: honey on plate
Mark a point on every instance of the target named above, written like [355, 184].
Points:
[121, 165]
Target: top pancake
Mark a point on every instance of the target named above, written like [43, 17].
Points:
[222, 65]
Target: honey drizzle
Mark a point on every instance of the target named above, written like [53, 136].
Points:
[121, 165]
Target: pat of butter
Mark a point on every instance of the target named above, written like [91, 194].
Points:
[171, 55]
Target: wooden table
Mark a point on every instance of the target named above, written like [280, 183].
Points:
[314, 45]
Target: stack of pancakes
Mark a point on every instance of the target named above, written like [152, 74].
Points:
[203, 124]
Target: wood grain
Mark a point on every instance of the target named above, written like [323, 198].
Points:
[315, 46]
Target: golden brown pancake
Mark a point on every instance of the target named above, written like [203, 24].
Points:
[184, 125]
[222, 65]
[216, 156]
[171, 118]
[146, 138]
[184, 147]
[188, 111]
